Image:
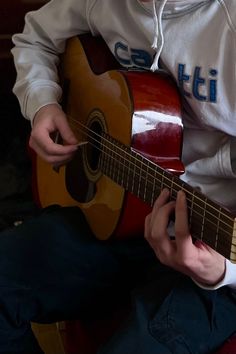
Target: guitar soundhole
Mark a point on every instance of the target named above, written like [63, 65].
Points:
[93, 148]
[83, 172]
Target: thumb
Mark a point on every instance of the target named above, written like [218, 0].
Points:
[65, 131]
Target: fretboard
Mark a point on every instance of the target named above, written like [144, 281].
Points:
[208, 221]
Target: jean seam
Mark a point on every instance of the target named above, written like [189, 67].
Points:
[170, 327]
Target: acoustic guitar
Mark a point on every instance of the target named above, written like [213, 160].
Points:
[129, 128]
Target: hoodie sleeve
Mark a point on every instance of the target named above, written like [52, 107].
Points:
[228, 280]
[36, 51]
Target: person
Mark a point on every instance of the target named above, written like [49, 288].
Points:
[52, 267]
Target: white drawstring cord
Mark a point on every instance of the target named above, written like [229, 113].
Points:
[158, 40]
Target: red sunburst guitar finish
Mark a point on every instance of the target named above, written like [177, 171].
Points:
[128, 124]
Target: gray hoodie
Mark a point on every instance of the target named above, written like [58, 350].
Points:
[194, 40]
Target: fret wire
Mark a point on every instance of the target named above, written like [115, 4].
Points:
[139, 179]
[134, 173]
[203, 220]
[145, 189]
[128, 176]
[197, 233]
[150, 189]
[217, 233]
[143, 186]
[191, 209]
[153, 187]
[228, 236]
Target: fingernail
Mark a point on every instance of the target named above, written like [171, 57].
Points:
[165, 192]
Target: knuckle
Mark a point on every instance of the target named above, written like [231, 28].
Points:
[163, 259]
[152, 235]
[31, 141]
[33, 135]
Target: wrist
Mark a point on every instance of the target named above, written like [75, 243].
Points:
[50, 108]
[228, 278]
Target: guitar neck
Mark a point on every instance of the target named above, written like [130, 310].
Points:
[208, 221]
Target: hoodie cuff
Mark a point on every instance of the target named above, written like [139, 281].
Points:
[228, 280]
[39, 97]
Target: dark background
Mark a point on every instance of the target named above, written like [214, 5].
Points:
[16, 201]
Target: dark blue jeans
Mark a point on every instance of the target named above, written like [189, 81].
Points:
[178, 318]
[52, 268]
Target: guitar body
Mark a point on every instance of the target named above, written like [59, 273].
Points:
[141, 110]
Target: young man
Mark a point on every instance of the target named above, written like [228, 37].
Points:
[54, 267]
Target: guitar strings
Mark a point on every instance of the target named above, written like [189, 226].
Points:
[228, 244]
[150, 168]
[169, 179]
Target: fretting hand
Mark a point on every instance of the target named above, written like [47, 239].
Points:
[197, 260]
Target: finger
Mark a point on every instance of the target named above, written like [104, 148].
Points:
[43, 144]
[160, 220]
[182, 233]
[49, 157]
[162, 199]
[58, 161]
[158, 235]
[161, 211]
[55, 159]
